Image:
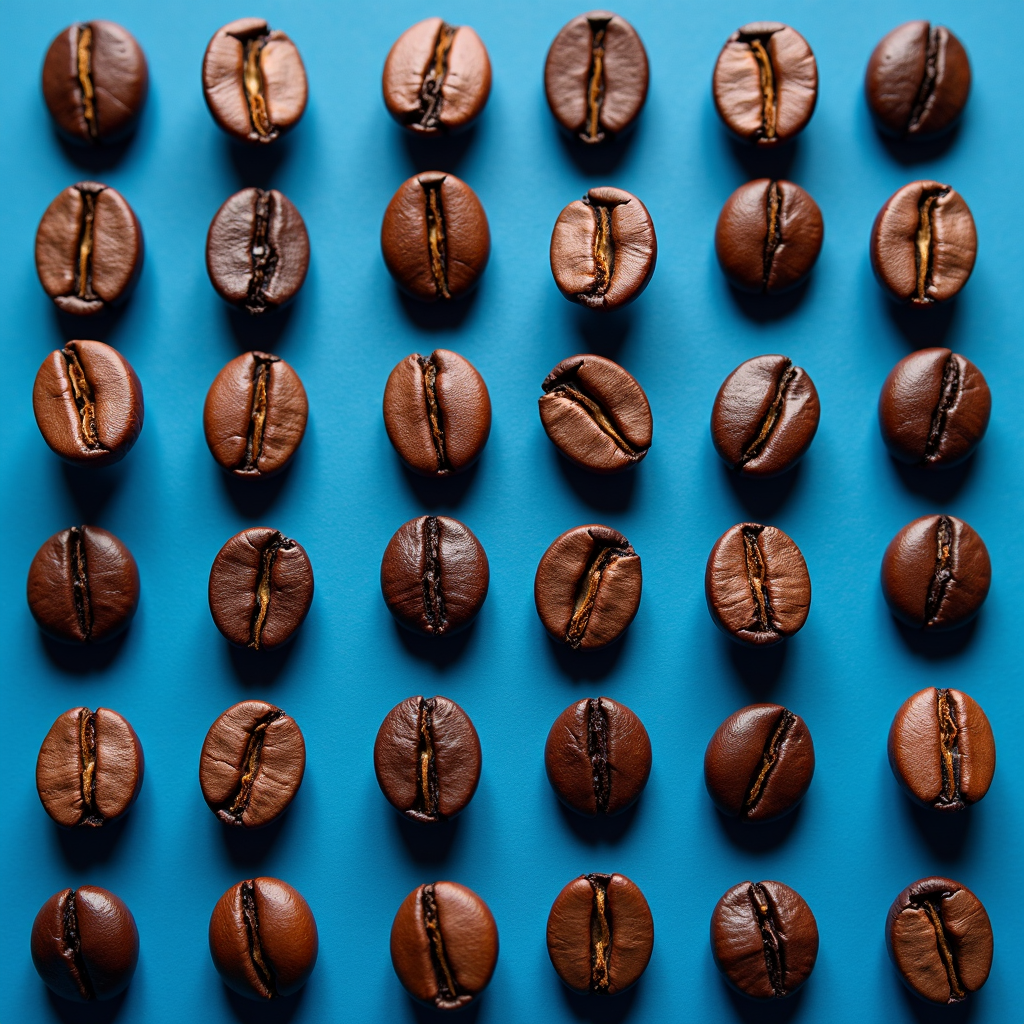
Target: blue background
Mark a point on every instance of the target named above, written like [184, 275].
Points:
[855, 842]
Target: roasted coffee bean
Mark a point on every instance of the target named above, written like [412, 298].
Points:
[936, 573]
[437, 412]
[924, 243]
[600, 934]
[90, 767]
[756, 584]
[765, 84]
[255, 415]
[88, 248]
[263, 939]
[85, 945]
[934, 408]
[603, 249]
[918, 80]
[435, 237]
[434, 575]
[939, 938]
[444, 945]
[427, 758]
[759, 763]
[261, 587]
[83, 585]
[254, 81]
[95, 80]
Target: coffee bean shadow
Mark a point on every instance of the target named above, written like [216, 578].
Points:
[604, 334]
[947, 834]
[258, 165]
[763, 161]
[84, 848]
[262, 333]
[249, 847]
[759, 668]
[760, 836]
[427, 843]
[936, 484]
[598, 158]
[935, 646]
[918, 152]
[766, 308]
[86, 1013]
[923, 1012]
[601, 828]
[763, 498]
[95, 158]
[262, 668]
[922, 327]
[97, 327]
[269, 1011]
[440, 153]
[442, 651]
[444, 492]
[253, 497]
[438, 316]
[429, 1015]
[587, 666]
[764, 1011]
[605, 492]
[600, 1009]
[82, 659]
[93, 489]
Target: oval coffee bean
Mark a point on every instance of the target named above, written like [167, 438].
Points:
[427, 758]
[254, 81]
[600, 934]
[261, 587]
[757, 586]
[263, 939]
[90, 767]
[939, 938]
[941, 749]
[85, 944]
[434, 575]
[918, 80]
[88, 248]
[444, 945]
[255, 415]
[252, 764]
[936, 573]
[83, 585]
[435, 237]
[759, 763]
[765, 416]
[596, 76]
[437, 412]
[934, 408]
[603, 249]
[95, 80]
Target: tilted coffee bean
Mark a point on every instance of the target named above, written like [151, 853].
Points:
[444, 945]
[936, 573]
[88, 248]
[939, 938]
[437, 412]
[435, 237]
[83, 585]
[600, 934]
[261, 587]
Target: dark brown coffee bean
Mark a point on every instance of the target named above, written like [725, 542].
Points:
[85, 945]
[936, 573]
[918, 80]
[939, 938]
[88, 248]
[83, 585]
[600, 934]
[263, 939]
[90, 767]
[444, 945]
[435, 237]
[95, 80]
[437, 412]
[434, 575]
[427, 758]
[261, 587]
[254, 81]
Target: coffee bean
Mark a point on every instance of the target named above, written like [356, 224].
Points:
[85, 945]
[756, 583]
[95, 80]
[600, 934]
[254, 81]
[435, 237]
[434, 575]
[934, 408]
[939, 938]
[83, 585]
[255, 415]
[427, 758]
[918, 80]
[936, 573]
[437, 412]
[88, 248]
[261, 587]
[765, 416]
[444, 945]
[90, 767]
[263, 939]
[759, 763]
[603, 249]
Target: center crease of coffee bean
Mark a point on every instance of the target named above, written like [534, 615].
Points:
[597, 751]
[766, 73]
[771, 417]
[773, 236]
[263, 969]
[769, 759]
[757, 579]
[572, 388]
[71, 948]
[252, 80]
[87, 753]
[942, 574]
[595, 80]
[949, 747]
[434, 417]
[251, 762]
[931, 905]
[427, 784]
[447, 990]
[433, 81]
[84, 55]
[924, 241]
[948, 396]
[600, 934]
[773, 952]
[80, 580]
[587, 589]
[433, 592]
[84, 400]
[604, 247]
[262, 253]
[928, 81]
[436, 237]
[83, 266]
[263, 587]
[258, 412]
